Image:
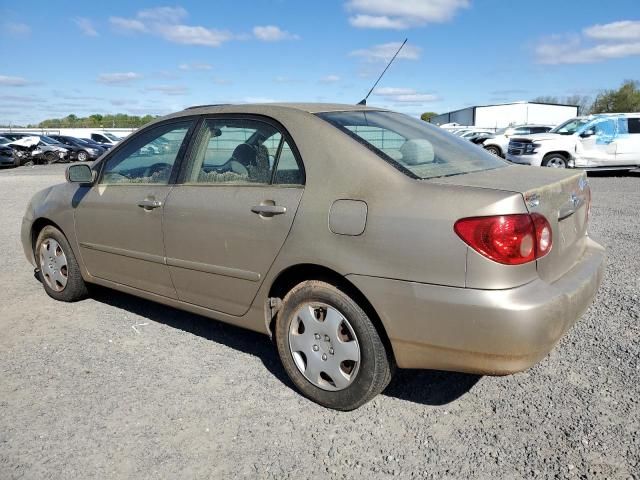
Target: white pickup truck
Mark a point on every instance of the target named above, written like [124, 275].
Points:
[596, 141]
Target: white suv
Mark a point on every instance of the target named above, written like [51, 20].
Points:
[596, 141]
[500, 141]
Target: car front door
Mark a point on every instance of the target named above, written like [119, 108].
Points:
[598, 147]
[228, 217]
[119, 219]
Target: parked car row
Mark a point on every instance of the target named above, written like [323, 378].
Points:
[20, 148]
[604, 141]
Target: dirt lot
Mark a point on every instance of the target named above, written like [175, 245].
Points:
[117, 387]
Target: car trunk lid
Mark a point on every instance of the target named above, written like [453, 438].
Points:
[562, 196]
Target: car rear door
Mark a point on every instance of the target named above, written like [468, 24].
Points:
[228, 217]
[628, 141]
[119, 219]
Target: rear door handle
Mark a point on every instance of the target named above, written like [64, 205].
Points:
[149, 204]
[269, 210]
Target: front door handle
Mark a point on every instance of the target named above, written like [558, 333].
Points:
[269, 210]
[149, 204]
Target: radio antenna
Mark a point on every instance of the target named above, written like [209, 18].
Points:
[364, 100]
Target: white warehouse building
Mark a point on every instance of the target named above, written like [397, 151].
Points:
[506, 114]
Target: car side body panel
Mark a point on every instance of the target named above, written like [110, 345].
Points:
[408, 262]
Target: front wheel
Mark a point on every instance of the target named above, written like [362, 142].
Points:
[58, 269]
[330, 348]
[494, 150]
[83, 156]
[555, 160]
[50, 157]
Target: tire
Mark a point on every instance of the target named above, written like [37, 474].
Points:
[492, 149]
[53, 253]
[50, 157]
[322, 309]
[555, 160]
[82, 156]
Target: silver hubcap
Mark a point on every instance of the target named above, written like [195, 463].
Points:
[324, 346]
[82, 156]
[53, 264]
[555, 163]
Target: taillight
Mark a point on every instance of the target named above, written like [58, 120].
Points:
[507, 239]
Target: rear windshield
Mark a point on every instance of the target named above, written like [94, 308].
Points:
[414, 147]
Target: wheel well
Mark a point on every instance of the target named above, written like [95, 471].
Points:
[292, 276]
[563, 154]
[37, 227]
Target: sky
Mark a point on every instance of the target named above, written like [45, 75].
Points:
[149, 57]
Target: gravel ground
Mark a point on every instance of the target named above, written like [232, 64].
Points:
[118, 387]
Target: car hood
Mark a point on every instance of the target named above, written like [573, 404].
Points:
[543, 137]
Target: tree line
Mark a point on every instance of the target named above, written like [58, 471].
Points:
[118, 120]
[625, 99]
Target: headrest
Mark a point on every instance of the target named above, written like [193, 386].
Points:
[417, 151]
[244, 154]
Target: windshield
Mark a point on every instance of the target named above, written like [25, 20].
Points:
[49, 140]
[570, 126]
[111, 136]
[414, 147]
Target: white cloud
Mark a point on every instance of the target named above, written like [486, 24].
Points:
[128, 24]
[165, 22]
[613, 40]
[386, 51]
[118, 78]
[195, 66]
[404, 95]
[163, 14]
[272, 33]
[8, 81]
[330, 79]
[191, 35]
[16, 29]
[168, 89]
[624, 30]
[86, 26]
[403, 14]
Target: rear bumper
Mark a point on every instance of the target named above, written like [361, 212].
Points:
[482, 331]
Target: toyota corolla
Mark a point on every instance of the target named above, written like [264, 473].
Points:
[359, 239]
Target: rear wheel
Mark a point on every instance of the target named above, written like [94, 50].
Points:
[329, 347]
[83, 156]
[58, 269]
[494, 150]
[555, 160]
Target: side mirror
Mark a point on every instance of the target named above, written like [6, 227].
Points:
[588, 133]
[80, 174]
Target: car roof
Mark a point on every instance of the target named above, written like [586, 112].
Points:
[305, 107]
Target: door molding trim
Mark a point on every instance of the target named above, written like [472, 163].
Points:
[147, 257]
[175, 262]
[215, 269]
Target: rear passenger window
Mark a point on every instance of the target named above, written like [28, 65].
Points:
[634, 125]
[242, 152]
